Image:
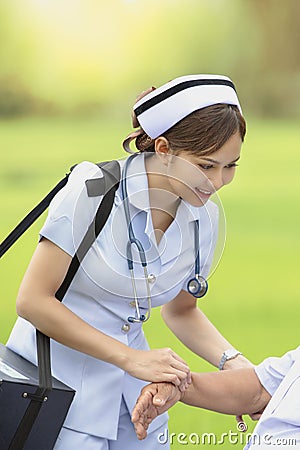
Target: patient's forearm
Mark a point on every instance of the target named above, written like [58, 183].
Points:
[230, 392]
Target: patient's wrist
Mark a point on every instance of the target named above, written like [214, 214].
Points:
[186, 395]
[240, 362]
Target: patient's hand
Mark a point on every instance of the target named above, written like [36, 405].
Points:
[155, 399]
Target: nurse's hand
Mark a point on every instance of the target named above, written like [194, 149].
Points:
[155, 399]
[159, 365]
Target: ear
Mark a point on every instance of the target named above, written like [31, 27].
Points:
[163, 150]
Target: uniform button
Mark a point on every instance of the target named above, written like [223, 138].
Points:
[151, 278]
[125, 328]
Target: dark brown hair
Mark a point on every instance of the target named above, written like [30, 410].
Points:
[201, 132]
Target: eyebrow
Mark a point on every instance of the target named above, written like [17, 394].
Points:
[217, 162]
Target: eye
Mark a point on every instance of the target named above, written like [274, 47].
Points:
[206, 166]
[230, 166]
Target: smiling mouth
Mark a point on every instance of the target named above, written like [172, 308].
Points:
[203, 191]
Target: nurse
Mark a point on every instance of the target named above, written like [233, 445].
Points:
[189, 141]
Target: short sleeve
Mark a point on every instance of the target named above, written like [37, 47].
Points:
[208, 236]
[272, 370]
[71, 210]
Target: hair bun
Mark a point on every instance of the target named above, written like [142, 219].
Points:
[135, 122]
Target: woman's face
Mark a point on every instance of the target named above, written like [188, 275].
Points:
[195, 178]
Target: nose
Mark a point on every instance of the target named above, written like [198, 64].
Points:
[217, 180]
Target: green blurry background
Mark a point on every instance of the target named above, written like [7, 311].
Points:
[69, 73]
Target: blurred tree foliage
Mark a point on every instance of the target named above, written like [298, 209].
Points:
[276, 67]
[79, 56]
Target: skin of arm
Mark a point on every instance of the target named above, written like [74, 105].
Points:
[229, 392]
[193, 328]
[36, 303]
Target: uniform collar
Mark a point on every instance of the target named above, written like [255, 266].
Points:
[137, 183]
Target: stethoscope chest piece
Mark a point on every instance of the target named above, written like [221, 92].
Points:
[197, 286]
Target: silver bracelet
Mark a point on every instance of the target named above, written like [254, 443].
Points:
[227, 356]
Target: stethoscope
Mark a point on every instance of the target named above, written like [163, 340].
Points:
[197, 286]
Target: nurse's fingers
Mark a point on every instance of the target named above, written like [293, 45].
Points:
[174, 369]
[157, 365]
[185, 379]
[175, 360]
[184, 373]
[176, 357]
[175, 377]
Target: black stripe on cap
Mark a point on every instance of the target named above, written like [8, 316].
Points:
[180, 87]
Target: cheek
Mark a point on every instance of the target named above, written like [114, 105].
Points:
[187, 174]
[177, 174]
[229, 176]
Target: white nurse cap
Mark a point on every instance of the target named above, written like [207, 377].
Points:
[165, 106]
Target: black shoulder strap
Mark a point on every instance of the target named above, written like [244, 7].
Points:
[109, 184]
[31, 217]
[111, 170]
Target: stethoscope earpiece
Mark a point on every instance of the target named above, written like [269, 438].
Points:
[141, 318]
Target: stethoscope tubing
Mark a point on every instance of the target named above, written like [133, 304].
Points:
[196, 286]
[132, 240]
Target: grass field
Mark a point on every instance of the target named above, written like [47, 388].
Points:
[253, 295]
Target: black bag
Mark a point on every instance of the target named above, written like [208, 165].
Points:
[33, 404]
[19, 381]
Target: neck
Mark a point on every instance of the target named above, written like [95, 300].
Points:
[161, 197]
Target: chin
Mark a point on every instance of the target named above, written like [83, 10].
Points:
[198, 202]
[194, 198]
